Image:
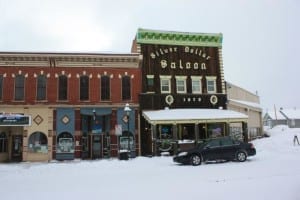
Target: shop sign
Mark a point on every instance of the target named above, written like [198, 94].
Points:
[180, 64]
[14, 120]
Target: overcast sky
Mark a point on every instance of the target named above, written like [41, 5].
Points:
[261, 38]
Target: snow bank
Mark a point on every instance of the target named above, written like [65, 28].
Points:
[274, 173]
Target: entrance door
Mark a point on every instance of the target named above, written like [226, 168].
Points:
[96, 146]
[17, 143]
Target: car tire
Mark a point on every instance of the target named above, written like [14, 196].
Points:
[195, 160]
[241, 156]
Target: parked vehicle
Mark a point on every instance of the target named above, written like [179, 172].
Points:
[225, 148]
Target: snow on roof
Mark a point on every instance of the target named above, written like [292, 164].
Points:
[277, 116]
[247, 103]
[291, 113]
[193, 115]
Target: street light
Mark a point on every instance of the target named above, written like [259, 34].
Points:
[127, 110]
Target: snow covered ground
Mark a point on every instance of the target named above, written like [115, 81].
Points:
[274, 173]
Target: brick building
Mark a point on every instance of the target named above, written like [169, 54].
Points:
[67, 105]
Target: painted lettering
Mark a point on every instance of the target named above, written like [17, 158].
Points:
[163, 64]
[183, 65]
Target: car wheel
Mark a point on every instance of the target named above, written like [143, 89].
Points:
[241, 156]
[195, 160]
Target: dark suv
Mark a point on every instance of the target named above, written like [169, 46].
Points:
[224, 148]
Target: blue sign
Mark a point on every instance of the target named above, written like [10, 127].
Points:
[14, 120]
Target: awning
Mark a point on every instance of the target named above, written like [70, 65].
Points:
[180, 116]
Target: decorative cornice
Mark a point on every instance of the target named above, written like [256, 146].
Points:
[145, 36]
[69, 60]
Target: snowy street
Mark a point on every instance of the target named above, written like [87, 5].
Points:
[274, 173]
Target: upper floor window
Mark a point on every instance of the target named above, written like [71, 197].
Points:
[63, 87]
[126, 88]
[1, 86]
[150, 82]
[196, 84]
[19, 87]
[211, 84]
[84, 88]
[105, 88]
[165, 84]
[181, 84]
[41, 87]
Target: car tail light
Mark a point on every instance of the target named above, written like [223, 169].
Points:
[251, 146]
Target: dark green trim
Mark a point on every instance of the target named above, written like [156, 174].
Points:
[146, 36]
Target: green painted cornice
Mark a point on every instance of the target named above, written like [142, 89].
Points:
[146, 36]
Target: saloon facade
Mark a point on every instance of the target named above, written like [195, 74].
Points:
[65, 106]
[182, 85]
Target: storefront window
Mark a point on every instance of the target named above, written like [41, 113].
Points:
[216, 130]
[65, 143]
[38, 143]
[124, 143]
[3, 143]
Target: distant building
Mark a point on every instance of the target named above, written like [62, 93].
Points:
[243, 101]
[289, 117]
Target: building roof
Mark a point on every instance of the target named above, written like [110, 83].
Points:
[147, 36]
[283, 114]
[179, 116]
[247, 103]
[291, 113]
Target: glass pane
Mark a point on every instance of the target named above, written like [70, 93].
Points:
[41, 87]
[84, 88]
[105, 88]
[63, 88]
[19, 87]
[126, 94]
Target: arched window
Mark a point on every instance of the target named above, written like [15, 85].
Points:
[105, 88]
[63, 88]
[19, 87]
[41, 87]
[84, 88]
[126, 87]
[38, 143]
[3, 143]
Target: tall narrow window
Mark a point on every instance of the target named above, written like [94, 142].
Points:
[165, 84]
[41, 87]
[150, 83]
[84, 88]
[1, 86]
[3, 143]
[126, 87]
[105, 88]
[63, 87]
[19, 87]
[196, 84]
[181, 84]
[211, 84]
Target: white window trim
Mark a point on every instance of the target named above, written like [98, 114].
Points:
[197, 78]
[181, 78]
[168, 78]
[211, 78]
